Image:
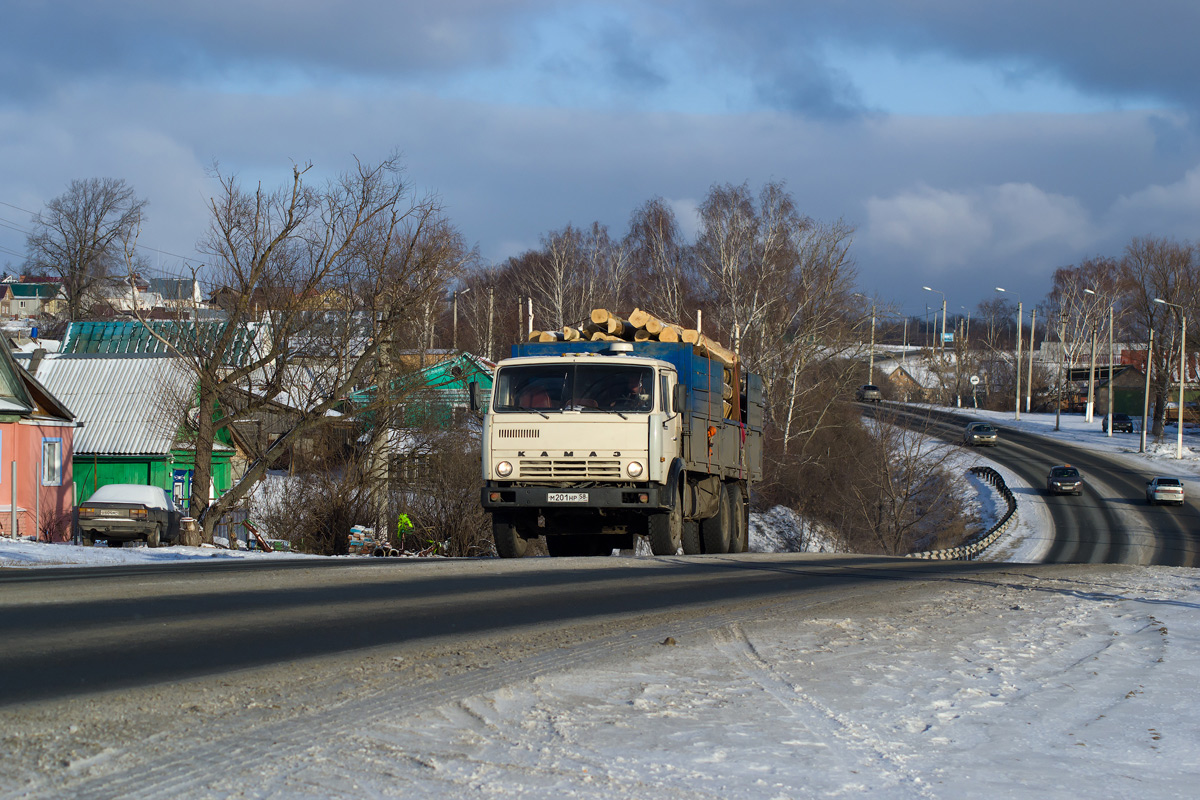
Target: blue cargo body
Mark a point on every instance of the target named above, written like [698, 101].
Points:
[723, 452]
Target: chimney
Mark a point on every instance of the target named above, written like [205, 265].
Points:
[36, 359]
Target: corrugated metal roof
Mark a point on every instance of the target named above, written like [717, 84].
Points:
[124, 402]
[131, 336]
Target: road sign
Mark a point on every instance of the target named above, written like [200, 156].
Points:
[974, 380]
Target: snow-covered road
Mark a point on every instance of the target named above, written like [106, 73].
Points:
[1065, 681]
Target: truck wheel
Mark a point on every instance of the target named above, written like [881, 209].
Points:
[692, 544]
[154, 538]
[739, 538]
[666, 531]
[715, 530]
[509, 543]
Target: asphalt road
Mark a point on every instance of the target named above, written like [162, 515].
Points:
[78, 631]
[1110, 523]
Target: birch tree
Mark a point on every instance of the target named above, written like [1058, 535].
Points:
[82, 237]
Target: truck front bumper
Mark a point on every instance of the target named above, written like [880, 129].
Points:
[565, 500]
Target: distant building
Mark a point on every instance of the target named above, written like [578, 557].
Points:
[24, 300]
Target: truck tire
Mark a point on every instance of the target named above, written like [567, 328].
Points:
[692, 544]
[154, 538]
[666, 531]
[509, 543]
[715, 530]
[739, 538]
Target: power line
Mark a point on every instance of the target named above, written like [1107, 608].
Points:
[16, 226]
[18, 208]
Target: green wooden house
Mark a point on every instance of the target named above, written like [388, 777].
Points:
[130, 407]
[439, 394]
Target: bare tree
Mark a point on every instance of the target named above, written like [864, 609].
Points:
[83, 236]
[659, 255]
[903, 499]
[1158, 268]
[806, 336]
[313, 282]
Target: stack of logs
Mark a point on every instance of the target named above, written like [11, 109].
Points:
[641, 326]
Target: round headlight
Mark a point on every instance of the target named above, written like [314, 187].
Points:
[504, 469]
[634, 469]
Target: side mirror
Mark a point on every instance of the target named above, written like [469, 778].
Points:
[473, 393]
[677, 399]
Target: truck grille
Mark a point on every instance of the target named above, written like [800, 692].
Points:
[569, 468]
[519, 433]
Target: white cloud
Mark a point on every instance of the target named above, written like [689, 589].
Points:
[1171, 209]
[953, 229]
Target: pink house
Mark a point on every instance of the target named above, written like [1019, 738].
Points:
[36, 433]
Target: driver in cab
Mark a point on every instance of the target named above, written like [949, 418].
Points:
[633, 397]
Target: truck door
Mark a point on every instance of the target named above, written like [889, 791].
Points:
[672, 435]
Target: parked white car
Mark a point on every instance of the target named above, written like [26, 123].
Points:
[126, 512]
[1164, 490]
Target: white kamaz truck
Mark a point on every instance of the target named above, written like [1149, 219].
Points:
[592, 444]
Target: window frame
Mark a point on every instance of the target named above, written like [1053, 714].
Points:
[56, 443]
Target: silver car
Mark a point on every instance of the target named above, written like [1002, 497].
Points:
[1164, 490]
[868, 393]
[980, 434]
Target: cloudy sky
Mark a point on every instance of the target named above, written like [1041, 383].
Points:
[970, 145]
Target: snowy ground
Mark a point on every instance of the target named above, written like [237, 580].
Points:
[1059, 682]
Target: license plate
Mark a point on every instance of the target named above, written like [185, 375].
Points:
[567, 497]
[109, 512]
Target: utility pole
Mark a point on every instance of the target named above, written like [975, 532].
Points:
[1110, 368]
[491, 309]
[1091, 401]
[1029, 383]
[454, 338]
[1146, 395]
[871, 358]
[1062, 335]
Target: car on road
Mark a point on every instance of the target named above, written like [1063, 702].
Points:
[980, 434]
[868, 393]
[1121, 423]
[129, 512]
[1064, 479]
[1164, 490]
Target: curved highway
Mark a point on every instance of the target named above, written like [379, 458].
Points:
[1110, 523]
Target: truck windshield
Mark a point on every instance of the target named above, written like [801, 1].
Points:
[575, 387]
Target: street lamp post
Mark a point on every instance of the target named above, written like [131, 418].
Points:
[1017, 362]
[1182, 368]
[942, 341]
[1110, 361]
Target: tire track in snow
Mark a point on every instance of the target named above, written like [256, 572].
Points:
[849, 743]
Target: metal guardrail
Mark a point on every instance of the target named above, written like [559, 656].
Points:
[982, 541]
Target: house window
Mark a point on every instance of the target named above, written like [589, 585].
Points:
[51, 462]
